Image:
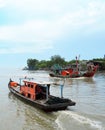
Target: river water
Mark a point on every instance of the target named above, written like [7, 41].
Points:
[88, 114]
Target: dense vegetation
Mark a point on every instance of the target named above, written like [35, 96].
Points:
[100, 62]
[34, 64]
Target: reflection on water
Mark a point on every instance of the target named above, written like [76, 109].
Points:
[89, 80]
[69, 81]
[38, 119]
[33, 117]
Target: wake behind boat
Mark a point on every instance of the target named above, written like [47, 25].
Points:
[38, 95]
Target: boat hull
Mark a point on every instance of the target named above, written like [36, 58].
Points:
[42, 106]
[87, 75]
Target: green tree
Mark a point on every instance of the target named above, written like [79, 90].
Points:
[56, 59]
[32, 64]
[42, 64]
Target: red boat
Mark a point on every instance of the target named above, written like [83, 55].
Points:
[71, 73]
[74, 72]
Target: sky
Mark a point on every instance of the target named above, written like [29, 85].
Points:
[39, 29]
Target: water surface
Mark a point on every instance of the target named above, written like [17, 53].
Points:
[88, 114]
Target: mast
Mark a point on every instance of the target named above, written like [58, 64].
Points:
[76, 63]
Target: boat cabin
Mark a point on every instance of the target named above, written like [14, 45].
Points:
[35, 90]
[32, 89]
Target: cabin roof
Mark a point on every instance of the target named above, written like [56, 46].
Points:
[38, 82]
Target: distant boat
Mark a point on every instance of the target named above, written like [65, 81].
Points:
[71, 73]
[38, 95]
[74, 72]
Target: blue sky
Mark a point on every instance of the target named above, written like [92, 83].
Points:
[42, 28]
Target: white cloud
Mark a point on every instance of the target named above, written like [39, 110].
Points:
[37, 47]
[31, 31]
[6, 33]
[2, 4]
[28, 6]
[59, 21]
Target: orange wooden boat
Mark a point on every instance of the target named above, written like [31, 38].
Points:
[74, 73]
[38, 95]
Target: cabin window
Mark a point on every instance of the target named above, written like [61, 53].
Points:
[31, 85]
[25, 84]
[29, 95]
[28, 85]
